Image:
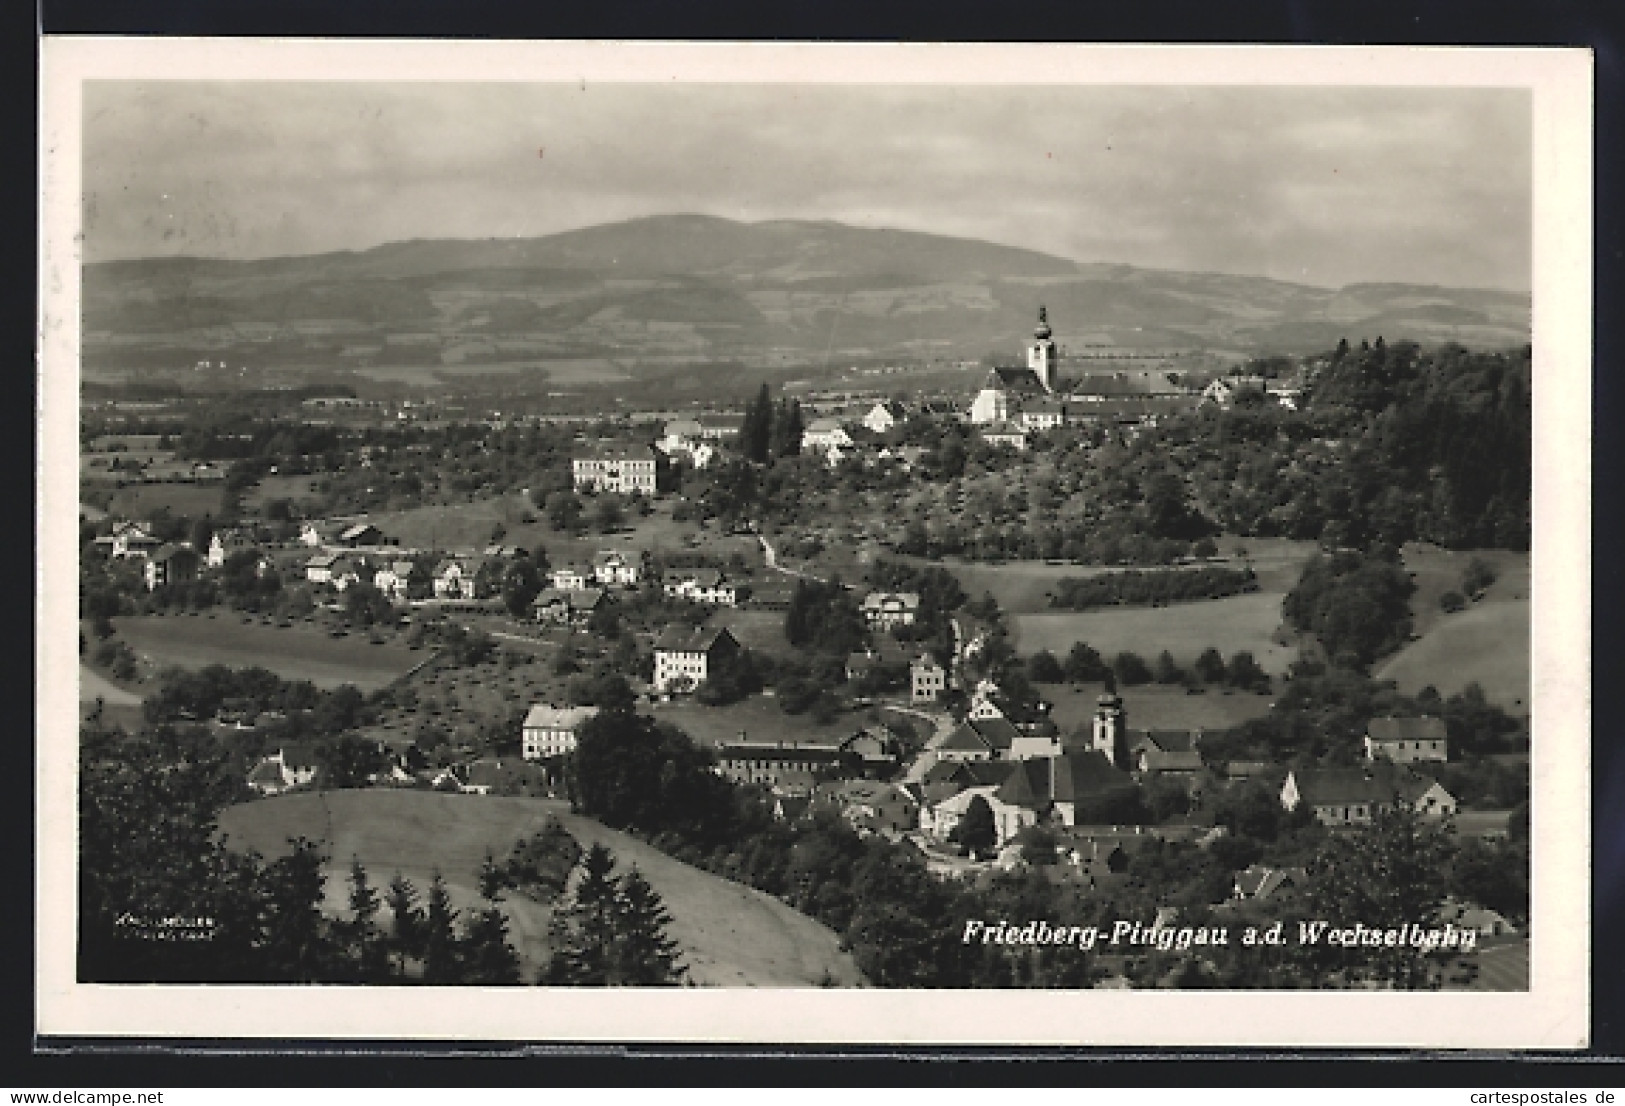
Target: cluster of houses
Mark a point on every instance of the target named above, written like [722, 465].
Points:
[144, 459]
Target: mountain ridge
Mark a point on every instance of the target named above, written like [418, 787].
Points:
[660, 289]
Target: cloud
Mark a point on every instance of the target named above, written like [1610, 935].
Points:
[1327, 185]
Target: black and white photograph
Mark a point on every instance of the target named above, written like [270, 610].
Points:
[908, 544]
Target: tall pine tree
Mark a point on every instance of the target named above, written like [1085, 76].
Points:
[582, 933]
[440, 959]
[644, 955]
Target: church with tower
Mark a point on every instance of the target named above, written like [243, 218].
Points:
[1021, 395]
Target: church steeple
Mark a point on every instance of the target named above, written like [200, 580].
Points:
[1041, 357]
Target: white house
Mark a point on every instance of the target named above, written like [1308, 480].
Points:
[927, 679]
[823, 434]
[550, 731]
[885, 415]
[170, 564]
[684, 657]
[613, 568]
[885, 609]
[392, 580]
[703, 586]
[615, 470]
[454, 578]
[289, 767]
[570, 578]
[319, 569]
[1353, 796]
[130, 540]
[1406, 740]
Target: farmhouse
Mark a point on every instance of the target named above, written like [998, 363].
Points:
[885, 609]
[130, 540]
[612, 568]
[361, 535]
[979, 739]
[550, 731]
[567, 608]
[1010, 434]
[171, 564]
[289, 767]
[884, 415]
[705, 585]
[940, 814]
[870, 807]
[320, 532]
[823, 435]
[1258, 882]
[1226, 390]
[927, 679]
[393, 580]
[570, 578]
[1406, 740]
[684, 657]
[1041, 414]
[319, 569]
[615, 469]
[454, 578]
[720, 426]
[1353, 796]
[223, 543]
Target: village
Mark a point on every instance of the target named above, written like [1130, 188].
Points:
[889, 701]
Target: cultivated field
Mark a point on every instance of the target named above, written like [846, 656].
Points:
[297, 653]
[189, 500]
[462, 699]
[730, 935]
[758, 717]
[295, 489]
[1238, 622]
[1487, 643]
[1157, 707]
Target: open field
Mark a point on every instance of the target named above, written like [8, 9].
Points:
[730, 935]
[760, 631]
[1238, 622]
[1487, 643]
[190, 500]
[1158, 707]
[298, 653]
[759, 717]
[1436, 571]
[295, 489]
[461, 699]
[471, 525]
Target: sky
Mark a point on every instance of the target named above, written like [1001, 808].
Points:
[1324, 186]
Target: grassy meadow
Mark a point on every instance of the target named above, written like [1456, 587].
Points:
[731, 936]
[299, 652]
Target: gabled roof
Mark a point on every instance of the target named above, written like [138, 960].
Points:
[891, 407]
[1239, 769]
[296, 756]
[615, 453]
[682, 428]
[546, 717]
[169, 552]
[1076, 776]
[1260, 882]
[880, 600]
[1424, 728]
[577, 599]
[957, 774]
[1167, 741]
[998, 733]
[700, 639]
[1016, 380]
[925, 660]
[322, 560]
[1158, 761]
[357, 530]
[1376, 783]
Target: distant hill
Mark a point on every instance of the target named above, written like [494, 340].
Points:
[650, 294]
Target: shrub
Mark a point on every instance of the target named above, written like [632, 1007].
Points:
[1451, 602]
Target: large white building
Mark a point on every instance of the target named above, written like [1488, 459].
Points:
[684, 657]
[551, 731]
[616, 470]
